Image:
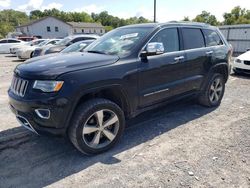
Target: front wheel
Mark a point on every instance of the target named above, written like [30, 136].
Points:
[213, 93]
[31, 54]
[96, 126]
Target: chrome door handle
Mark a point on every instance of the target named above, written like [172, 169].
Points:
[209, 52]
[179, 58]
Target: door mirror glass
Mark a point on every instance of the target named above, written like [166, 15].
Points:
[153, 48]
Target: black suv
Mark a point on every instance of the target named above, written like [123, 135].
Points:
[88, 95]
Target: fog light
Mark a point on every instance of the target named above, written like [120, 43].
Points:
[43, 113]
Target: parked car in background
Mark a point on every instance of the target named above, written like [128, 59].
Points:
[27, 39]
[6, 44]
[241, 64]
[28, 51]
[77, 47]
[74, 48]
[17, 47]
[68, 41]
[88, 96]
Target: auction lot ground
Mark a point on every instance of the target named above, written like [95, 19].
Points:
[180, 145]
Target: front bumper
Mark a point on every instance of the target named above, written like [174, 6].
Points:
[241, 65]
[24, 110]
[23, 55]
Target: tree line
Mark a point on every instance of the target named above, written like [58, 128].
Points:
[9, 19]
[237, 15]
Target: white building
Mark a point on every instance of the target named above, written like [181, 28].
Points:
[52, 27]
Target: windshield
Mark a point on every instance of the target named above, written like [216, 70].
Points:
[75, 47]
[119, 41]
[43, 43]
[64, 41]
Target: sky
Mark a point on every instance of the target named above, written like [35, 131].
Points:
[167, 10]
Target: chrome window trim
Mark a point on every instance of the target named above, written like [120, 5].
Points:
[193, 49]
[156, 92]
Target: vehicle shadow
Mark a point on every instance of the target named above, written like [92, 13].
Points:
[17, 60]
[40, 161]
[241, 76]
[10, 55]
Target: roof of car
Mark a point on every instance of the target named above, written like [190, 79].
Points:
[172, 23]
[86, 35]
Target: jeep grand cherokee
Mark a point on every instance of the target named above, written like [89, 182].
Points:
[89, 95]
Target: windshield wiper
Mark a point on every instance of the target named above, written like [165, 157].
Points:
[96, 52]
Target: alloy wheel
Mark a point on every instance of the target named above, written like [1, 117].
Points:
[216, 90]
[100, 129]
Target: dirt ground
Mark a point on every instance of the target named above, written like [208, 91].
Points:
[180, 145]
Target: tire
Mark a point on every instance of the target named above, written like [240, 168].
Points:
[207, 96]
[86, 129]
[236, 72]
[31, 54]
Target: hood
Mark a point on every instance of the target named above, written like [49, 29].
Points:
[245, 56]
[27, 48]
[52, 66]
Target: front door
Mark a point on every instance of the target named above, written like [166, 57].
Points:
[160, 74]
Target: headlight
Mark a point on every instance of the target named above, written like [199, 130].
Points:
[237, 61]
[47, 85]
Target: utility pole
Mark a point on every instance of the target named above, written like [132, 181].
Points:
[154, 10]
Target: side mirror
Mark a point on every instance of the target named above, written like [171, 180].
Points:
[153, 48]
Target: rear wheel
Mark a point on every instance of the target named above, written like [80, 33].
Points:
[214, 91]
[96, 126]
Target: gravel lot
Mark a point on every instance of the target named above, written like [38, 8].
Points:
[180, 145]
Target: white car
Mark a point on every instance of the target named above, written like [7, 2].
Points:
[6, 44]
[27, 52]
[17, 47]
[241, 64]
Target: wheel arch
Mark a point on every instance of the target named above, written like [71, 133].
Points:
[114, 93]
[222, 68]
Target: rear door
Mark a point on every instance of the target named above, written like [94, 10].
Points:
[215, 46]
[198, 56]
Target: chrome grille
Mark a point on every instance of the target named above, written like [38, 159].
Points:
[19, 86]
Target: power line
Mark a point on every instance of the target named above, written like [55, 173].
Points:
[154, 10]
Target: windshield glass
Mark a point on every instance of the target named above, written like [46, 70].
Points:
[64, 41]
[75, 47]
[43, 43]
[119, 41]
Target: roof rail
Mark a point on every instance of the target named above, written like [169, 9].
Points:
[190, 22]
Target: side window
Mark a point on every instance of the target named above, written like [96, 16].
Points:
[48, 29]
[13, 41]
[3, 41]
[192, 38]
[169, 38]
[80, 39]
[212, 38]
[52, 42]
[56, 29]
